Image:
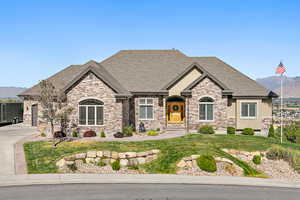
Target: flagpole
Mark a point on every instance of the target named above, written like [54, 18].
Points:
[281, 108]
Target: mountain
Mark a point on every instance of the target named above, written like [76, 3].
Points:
[291, 85]
[10, 92]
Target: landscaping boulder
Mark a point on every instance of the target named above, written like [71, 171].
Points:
[91, 154]
[130, 154]
[80, 156]
[141, 160]
[124, 162]
[100, 154]
[114, 155]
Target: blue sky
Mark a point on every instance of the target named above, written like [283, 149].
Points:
[39, 38]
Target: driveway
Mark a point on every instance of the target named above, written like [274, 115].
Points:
[9, 135]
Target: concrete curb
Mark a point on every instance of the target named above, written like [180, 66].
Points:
[41, 179]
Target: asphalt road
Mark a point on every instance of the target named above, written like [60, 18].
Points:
[145, 192]
[9, 135]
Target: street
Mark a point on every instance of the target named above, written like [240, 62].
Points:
[145, 192]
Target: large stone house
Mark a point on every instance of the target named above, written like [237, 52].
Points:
[162, 89]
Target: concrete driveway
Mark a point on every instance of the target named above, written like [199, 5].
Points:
[9, 135]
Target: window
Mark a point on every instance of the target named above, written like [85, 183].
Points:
[248, 110]
[146, 109]
[206, 109]
[91, 112]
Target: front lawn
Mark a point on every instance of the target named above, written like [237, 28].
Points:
[41, 156]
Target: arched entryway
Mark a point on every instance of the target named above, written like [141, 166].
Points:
[175, 109]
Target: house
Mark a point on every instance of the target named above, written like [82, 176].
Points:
[163, 89]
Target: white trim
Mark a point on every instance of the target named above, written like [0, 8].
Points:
[211, 103]
[86, 118]
[145, 104]
[248, 117]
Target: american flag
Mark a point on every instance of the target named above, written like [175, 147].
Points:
[280, 69]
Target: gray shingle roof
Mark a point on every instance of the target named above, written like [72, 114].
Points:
[152, 70]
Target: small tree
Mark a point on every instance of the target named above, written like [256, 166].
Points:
[54, 106]
[271, 132]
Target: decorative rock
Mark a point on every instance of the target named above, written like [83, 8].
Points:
[219, 159]
[124, 162]
[149, 153]
[78, 163]
[194, 157]
[107, 154]
[122, 155]
[70, 162]
[155, 151]
[100, 154]
[189, 164]
[97, 160]
[106, 161]
[80, 156]
[130, 154]
[70, 158]
[90, 160]
[141, 160]
[194, 164]
[181, 164]
[187, 159]
[141, 154]
[114, 155]
[61, 163]
[133, 162]
[91, 154]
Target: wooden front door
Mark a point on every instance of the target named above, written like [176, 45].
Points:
[175, 112]
[34, 114]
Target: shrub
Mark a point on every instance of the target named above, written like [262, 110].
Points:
[152, 133]
[59, 134]
[128, 131]
[118, 135]
[102, 134]
[158, 129]
[207, 163]
[206, 130]
[101, 163]
[256, 159]
[289, 155]
[271, 132]
[292, 133]
[116, 165]
[89, 134]
[43, 134]
[74, 134]
[230, 130]
[248, 131]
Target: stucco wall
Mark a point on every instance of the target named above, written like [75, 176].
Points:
[207, 88]
[184, 82]
[91, 87]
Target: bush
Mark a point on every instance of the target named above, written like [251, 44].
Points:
[256, 159]
[116, 165]
[292, 133]
[152, 133]
[118, 135]
[230, 130]
[128, 131]
[90, 134]
[43, 134]
[101, 163]
[248, 131]
[206, 130]
[289, 155]
[207, 163]
[271, 132]
[158, 129]
[102, 134]
[59, 134]
[74, 134]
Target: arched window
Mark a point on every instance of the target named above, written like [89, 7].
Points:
[91, 112]
[206, 109]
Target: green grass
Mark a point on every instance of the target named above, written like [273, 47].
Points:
[42, 156]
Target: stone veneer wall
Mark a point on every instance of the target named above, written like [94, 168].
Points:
[28, 102]
[159, 120]
[92, 87]
[207, 88]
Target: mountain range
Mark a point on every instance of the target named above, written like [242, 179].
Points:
[291, 85]
[10, 92]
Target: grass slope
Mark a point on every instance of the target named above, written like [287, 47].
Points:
[41, 156]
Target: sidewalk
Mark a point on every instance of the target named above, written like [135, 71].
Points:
[39, 179]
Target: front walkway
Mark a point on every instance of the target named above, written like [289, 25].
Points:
[9, 135]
